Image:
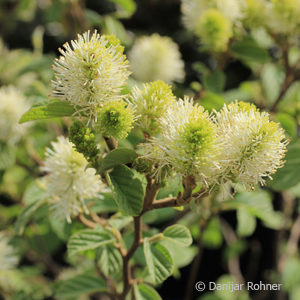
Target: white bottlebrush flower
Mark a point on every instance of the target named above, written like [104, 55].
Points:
[193, 9]
[150, 103]
[253, 146]
[9, 277]
[69, 181]
[156, 58]
[13, 105]
[283, 16]
[8, 257]
[92, 70]
[187, 144]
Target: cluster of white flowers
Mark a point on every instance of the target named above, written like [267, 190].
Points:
[69, 181]
[253, 146]
[13, 105]
[92, 70]
[188, 142]
[237, 144]
[8, 263]
[8, 257]
[193, 9]
[156, 58]
[150, 103]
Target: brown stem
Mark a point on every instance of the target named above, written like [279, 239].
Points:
[138, 240]
[87, 222]
[291, 75]
[111, 143]
[233, 262]
[178, 201]
[151, 192]
[195, 265]
[288, 81]
[293, 241]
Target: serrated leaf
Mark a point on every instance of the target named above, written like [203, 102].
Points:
[178, 234]
[127, 189]
[159, 261]
[215, 81]
[79, 285]
[289, 175]
[110, 260]
[247, 49]
[88, 239]
[259, 204]
[7, 156]
[117, 157]
[54, 109]
[119, 222]
[145, 292]
[246, 222]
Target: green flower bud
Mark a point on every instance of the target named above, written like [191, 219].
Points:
[150, 104]
[255, 14]
[214, 29]
[115, 120]
[84, 141]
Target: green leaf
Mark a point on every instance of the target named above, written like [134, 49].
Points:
[272, 77]
[117, 157]
[215, 81]
[291, 273]
[128, 5]
[259, 204]
[179, 234]
[53, 109]
[7, 156]
[246, 222]
[289, 175]
[127, 189]
[78, 285]
[119, 222]
[212, 234]
[145, 292]
[247, 49]
[110, 260]
[212, 101]
[88, 239]
[288, 123]
[159, 261]
[34, 198]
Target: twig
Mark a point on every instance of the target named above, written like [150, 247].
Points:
[195, 265]
[233, 262]
[87, 222]
[127, 276]
[111, 143]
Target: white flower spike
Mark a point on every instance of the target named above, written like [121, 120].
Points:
[253, 146]
[69, 181]
[92, 70]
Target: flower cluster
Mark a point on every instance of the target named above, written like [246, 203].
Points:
[8, 263]
[237, 144]
[212, 20]
[253, 146]
[12, 106]
[156, 58]
[188, 142]
[69, 180]
[150, 103]
[91, 71]
[115, 120]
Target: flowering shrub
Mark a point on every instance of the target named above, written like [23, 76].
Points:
[134, 161]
